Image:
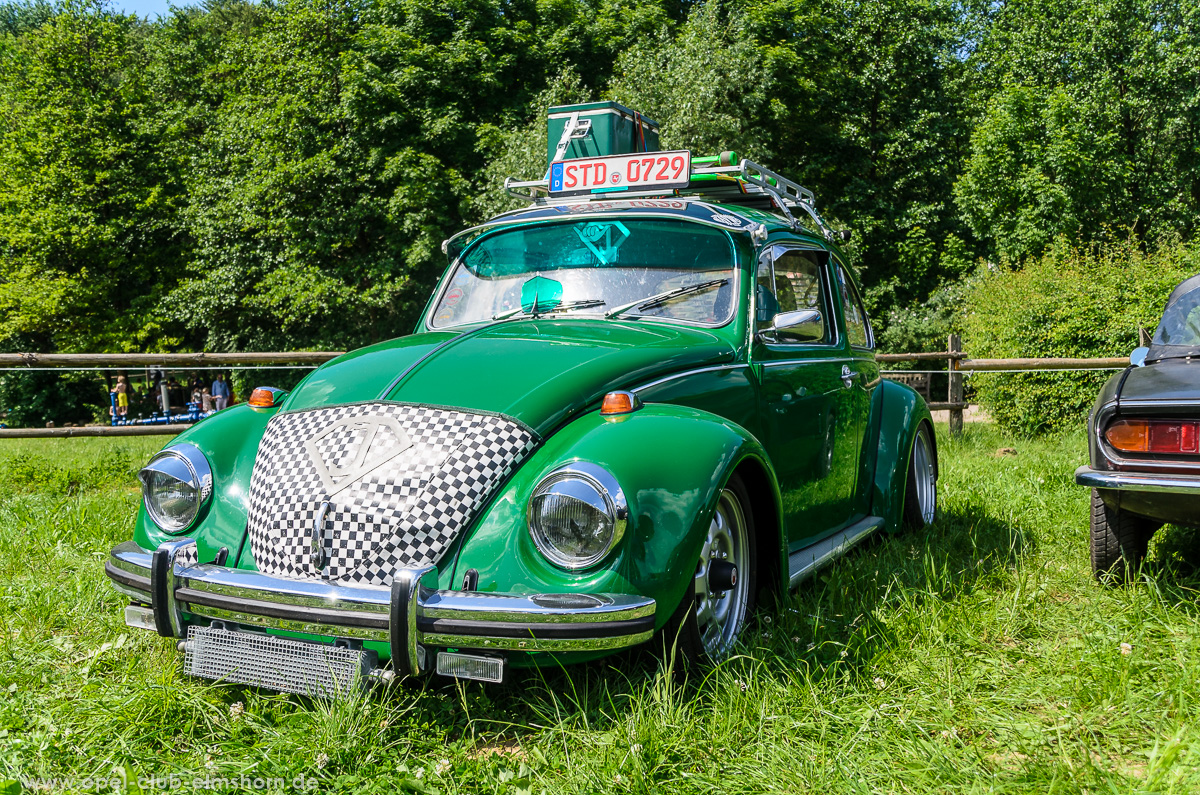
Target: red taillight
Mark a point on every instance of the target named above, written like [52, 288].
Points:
[1172, 437]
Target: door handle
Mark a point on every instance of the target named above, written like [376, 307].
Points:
[848, 376]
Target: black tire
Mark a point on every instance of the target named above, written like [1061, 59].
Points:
[684, 639]
[922, 481]
[1119, 540]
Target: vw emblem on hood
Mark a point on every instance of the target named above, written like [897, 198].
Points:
[351, 448]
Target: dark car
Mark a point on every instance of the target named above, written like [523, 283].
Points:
[1144, 440]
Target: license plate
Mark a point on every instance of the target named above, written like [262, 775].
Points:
[644, 171]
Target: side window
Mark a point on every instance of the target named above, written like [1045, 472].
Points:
[858, 328]
[789, 281]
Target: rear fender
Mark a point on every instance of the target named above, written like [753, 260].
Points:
[902, 412]
[671, 463]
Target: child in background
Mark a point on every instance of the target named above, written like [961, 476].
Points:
[122, 390]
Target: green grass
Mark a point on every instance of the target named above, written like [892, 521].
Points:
[979, 656]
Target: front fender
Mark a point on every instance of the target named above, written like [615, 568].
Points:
[671, 463]
[902, 412]
[229, 440]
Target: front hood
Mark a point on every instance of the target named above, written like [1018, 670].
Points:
[539, 371]
[1164, 380]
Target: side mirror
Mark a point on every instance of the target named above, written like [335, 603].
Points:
[1138, 357]
[802, 325]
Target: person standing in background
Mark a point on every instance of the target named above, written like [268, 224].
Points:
[122, 390]
[220, 392]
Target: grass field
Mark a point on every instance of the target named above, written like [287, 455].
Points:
[979, 656]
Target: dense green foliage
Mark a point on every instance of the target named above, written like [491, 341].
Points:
[979, 656]
[1071, 302]
[280, 175]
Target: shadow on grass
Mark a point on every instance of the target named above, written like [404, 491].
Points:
[1173, 562]
[841, 623]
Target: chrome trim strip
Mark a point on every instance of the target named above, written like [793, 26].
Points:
[206, 581]
[1137, 481]
[142, 597]
[129, 557]
[1154, 404]
[807, 561]
[315, 593]
[685, 373]
[472, 606]
[307, 627]
[536, 644]
[814, 360]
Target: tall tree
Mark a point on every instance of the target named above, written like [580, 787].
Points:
[86, 206]
[1088, 116]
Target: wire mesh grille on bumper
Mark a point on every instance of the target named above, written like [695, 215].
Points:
[291, 666]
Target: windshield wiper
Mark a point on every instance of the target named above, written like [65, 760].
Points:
[664, 297]
[567, 307]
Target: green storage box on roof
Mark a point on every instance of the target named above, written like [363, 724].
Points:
[611, 129]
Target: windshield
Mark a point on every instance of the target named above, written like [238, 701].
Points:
[660, 268]
[1178, 334]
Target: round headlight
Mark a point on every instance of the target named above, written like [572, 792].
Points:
[577, 515]
[175, 485]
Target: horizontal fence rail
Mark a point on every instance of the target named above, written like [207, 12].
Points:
[92, 430]
[957, 363]
[174, 361]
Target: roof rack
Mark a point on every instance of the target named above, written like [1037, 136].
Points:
[725, 179]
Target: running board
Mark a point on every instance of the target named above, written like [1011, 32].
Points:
[807, 561]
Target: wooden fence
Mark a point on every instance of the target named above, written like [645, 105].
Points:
[957, 363]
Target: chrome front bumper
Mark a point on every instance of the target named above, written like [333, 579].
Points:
[1138, 481]
[411, 616]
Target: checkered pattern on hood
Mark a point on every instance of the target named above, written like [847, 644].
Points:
[401, 482]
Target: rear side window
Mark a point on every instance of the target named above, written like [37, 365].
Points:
[858, 329]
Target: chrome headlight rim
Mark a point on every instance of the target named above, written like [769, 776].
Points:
[606, 486]
[199, 477]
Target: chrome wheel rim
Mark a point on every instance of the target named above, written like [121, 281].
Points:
[926, 479]
[720, 615]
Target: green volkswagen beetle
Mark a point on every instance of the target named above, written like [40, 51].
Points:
[637, 406]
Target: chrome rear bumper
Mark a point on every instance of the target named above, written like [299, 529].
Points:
[410, 616]
[1138, 481]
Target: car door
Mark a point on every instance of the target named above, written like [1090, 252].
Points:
[806, 404]
[863, 372]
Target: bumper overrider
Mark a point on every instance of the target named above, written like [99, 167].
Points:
[215, 609]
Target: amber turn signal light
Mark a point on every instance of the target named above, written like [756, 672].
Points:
[1171, 437]
[619, 402]
[265, 397]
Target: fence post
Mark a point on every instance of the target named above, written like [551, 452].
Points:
[953, 346]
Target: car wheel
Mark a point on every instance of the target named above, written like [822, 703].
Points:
[714, 610]
[920, 496]
[1119, 541]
